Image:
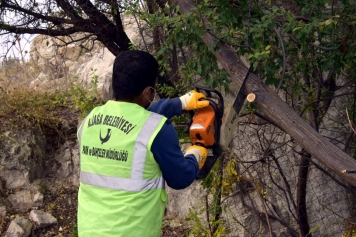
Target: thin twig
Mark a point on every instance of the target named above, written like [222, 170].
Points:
[207, 212]
[284, 59]
[348, 118]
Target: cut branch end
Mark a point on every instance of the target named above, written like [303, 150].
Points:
[251, 97]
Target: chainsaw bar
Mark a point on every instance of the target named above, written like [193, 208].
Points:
[214, 151]
[241, 95]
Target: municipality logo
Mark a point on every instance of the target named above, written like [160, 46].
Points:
[106, 138]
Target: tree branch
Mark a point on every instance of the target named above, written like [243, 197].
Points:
[54, 20]
[25, 30]
[69, 9]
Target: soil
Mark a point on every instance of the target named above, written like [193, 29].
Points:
[61, 202]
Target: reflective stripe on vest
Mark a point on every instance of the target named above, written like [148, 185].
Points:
[121, 183]
[136, 181]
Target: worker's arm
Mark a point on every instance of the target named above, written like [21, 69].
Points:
[167, 107]
[170, 107]
[178, 171]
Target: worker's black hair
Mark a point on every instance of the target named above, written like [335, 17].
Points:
[133, 71]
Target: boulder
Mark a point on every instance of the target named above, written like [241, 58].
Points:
[19, 227]
[21, 200]
[26, 198]
[42, 219]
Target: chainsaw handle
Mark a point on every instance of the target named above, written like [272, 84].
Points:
[208, 91]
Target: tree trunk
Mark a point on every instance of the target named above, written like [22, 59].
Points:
[271, 106]
[302, 194]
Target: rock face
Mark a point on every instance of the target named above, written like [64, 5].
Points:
[67, 163]
[180, 202]
[21, 159]
[70, 64]
[73, 63]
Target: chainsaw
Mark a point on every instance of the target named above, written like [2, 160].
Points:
[204, 127]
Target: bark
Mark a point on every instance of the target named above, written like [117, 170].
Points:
[270, 105]
[302, 214]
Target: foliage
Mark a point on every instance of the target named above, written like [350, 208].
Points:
[350, 230]
[167, 90]
[283, 46]
[74, 229]
[199, 229]
[230, 177]
[183, 136]
[43, 188]
[220, 182]
[22, 104]
[24, 108]
[85, 99]
[303, 48]
[181, 124]
[183, 32]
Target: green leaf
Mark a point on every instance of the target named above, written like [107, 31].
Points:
[297, 28]
[314, 228]
[328, 22]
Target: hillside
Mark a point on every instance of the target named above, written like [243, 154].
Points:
[49, 118]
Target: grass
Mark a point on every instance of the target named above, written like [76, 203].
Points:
[52, 110]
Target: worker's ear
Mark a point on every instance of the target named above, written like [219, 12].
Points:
[146, 92]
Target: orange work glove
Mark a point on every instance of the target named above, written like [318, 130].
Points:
[190, 101]
[200, 153]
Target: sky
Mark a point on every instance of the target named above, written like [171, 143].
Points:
[14, 52]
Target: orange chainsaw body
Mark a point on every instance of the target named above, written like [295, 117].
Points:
[202, 130]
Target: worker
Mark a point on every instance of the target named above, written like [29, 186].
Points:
[129, 149]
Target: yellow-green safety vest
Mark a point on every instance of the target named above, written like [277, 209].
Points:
[121, 190]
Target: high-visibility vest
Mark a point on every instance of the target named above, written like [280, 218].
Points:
[121, 189]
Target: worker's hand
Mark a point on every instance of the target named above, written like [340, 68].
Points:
[190, 101]
[200, 153]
